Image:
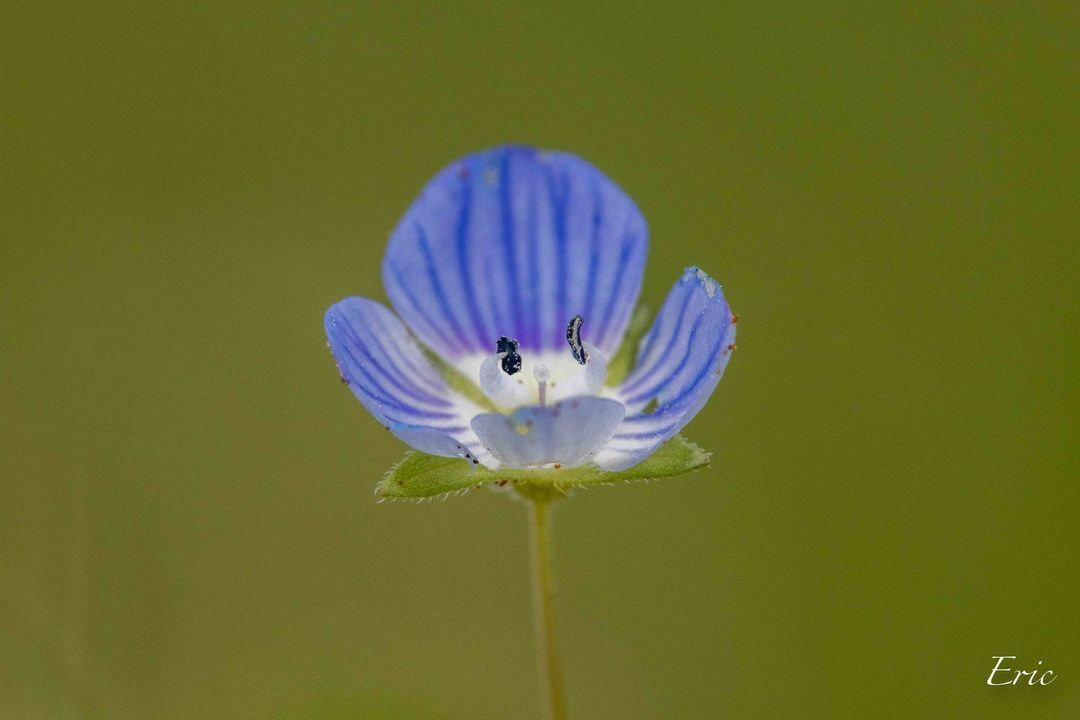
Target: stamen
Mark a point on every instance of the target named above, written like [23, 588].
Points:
[542, 375]
[511, 364]
[573, 336]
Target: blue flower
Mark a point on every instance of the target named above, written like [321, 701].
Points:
[520, 268]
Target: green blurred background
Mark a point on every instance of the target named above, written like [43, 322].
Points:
[187, 526]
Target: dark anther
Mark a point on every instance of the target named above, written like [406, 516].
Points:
[573, 336]
[512, 362]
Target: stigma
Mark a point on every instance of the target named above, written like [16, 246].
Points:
[541, 374]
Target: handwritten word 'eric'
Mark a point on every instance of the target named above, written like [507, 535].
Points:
[1035, 676]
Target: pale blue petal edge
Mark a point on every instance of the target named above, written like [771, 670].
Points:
[679, 363]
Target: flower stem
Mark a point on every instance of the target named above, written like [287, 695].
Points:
[547, 642]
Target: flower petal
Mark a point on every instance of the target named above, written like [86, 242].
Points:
[679, 363]
[386, 369]
[515, 242]
[566, 433]
[504, 390]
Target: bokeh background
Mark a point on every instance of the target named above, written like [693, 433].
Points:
[888, 194]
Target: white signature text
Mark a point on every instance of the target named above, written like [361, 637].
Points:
[1003, 675]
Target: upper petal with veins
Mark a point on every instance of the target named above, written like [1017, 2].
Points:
[515, 242]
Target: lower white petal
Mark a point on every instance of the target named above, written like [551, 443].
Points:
[567, 433]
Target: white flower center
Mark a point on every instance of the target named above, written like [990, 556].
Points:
[513, 377]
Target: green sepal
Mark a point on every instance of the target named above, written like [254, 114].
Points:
[420, 475]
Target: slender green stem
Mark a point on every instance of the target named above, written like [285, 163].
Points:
[547, 642]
